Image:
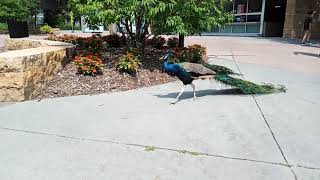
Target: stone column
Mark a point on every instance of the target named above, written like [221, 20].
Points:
[296, 12]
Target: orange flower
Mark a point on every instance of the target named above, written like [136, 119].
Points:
[84, 68]
[94, 70]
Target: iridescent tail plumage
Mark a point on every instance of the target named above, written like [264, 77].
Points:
[246, 87]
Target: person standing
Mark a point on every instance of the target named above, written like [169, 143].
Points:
[307, 25]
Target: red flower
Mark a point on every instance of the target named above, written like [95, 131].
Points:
[84, 68]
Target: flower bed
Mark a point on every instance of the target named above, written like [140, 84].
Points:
[70, 83]
[103, 64]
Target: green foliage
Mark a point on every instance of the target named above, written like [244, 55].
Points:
[159, 42]
[88, 64]
[93, 44]
[13, 9]
[127, 12]
[190, 17]
[69, 26]
[60, 20]
[3, 26]
[33, 6]
[193, 53]
[18, 9]
[165, 16]
[128, 63]
[150, 148]
[173, 42]
[113, 40]
[45, 29]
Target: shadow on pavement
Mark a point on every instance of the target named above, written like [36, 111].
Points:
[202, 93]
[315, 43]
[308, 54]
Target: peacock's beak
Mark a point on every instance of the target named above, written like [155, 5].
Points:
[161, 58]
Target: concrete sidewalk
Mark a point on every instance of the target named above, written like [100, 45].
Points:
[137, 135]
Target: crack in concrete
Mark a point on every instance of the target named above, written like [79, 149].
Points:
[216, 55]
[307, 167]
[267, 123]
[149, 148]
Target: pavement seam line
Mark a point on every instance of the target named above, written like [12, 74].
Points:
[266, 121]
[145, 146]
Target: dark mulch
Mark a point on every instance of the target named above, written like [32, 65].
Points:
[69, 83]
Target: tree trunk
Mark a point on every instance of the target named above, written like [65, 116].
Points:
[181, 40]
[35, 21]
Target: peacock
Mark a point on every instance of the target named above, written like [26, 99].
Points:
[188, 72]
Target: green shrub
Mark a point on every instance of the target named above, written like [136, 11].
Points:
[45, 29]
[68, 26]
[198, 53]
[149, 42]
[159, 42]
[3, 26]
[193, 53]
[173, 42]
[128, 63]
[88, 64]
[113, 40]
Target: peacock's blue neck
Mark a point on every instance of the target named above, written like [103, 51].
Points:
[169, 67]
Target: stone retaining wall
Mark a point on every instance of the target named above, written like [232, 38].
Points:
[24, 73]
[16, 44]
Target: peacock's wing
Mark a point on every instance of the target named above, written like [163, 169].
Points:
[196, 69]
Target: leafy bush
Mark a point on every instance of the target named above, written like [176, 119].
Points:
[159, 42]
[173, 42]
[128, 63]
[193, 53]
[45, 29]
[149, 42]
[90, 64]
[92, 44]
[3, 26]
[68, 26]
[198, 53]
[112, 40]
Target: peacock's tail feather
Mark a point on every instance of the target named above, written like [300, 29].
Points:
[248, 87]
[219, 69]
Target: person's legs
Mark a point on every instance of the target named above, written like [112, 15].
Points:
[305, 36]
[308, 36]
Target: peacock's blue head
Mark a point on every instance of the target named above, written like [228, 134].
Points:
[166, 56]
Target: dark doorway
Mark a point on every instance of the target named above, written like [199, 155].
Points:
[275, 13]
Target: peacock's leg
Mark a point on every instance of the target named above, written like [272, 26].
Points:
[177, 98]
[194, 91]
[211, 82]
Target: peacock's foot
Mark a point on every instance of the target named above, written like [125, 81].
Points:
[195, 98]
[174, 101]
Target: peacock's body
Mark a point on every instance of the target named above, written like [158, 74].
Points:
[188, 72]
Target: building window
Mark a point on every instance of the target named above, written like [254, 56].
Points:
[247, 17]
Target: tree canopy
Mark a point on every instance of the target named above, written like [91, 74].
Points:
[164, 16]
[190, 17]
[18, 9]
